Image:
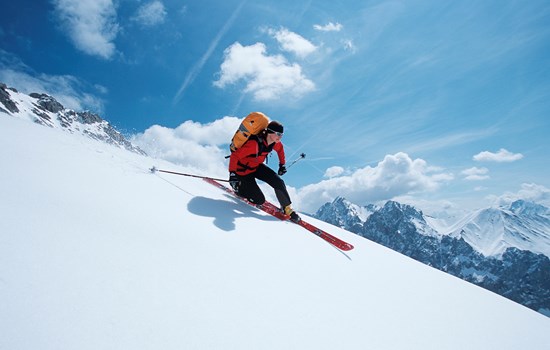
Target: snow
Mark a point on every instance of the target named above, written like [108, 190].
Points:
[438, 224]
[491, 231]
[98, 253]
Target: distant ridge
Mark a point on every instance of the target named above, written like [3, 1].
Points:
[45, 110]
[505, 250]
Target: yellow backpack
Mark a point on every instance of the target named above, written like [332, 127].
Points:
[253, 124]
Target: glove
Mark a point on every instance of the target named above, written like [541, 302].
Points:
[282, 170]
[234, 181]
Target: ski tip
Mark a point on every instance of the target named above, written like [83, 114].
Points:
[347, 247]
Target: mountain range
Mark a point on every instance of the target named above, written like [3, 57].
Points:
[44, 109]
[505, 249]
[523, 225]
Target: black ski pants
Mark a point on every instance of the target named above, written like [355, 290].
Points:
[250, 190]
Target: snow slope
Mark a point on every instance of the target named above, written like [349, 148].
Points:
[98, 253]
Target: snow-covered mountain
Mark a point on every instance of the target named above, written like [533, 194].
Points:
[522, 225]
[96, 252]
[46, 110]
[345, 214]
[504, 250]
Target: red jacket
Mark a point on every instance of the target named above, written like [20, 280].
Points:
[249, 156]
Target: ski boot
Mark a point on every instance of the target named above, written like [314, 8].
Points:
[294, 217]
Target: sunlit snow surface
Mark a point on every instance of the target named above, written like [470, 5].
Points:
[96, 252]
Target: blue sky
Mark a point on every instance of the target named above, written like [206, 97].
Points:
[441, 104]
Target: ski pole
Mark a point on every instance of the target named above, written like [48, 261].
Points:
[302, 156]
[154, 169]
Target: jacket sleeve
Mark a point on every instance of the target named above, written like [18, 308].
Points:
[279, 148]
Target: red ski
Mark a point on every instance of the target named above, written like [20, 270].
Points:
[271, 209]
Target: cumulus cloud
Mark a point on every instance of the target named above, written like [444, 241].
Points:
[151, 14]
[529, 192]
[396, 175]
[191, 144]
[334, 171]
[442, 209]
[266, 77]
[203, 147]
[501, 156]
[330, 27]
[292, 42]
[476, 174]
[90, 24]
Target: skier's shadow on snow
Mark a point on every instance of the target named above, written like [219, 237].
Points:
[224, 212]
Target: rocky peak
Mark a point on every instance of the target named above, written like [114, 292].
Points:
[396, 209]
[45, 110]
[6, 100]
[47, 103]
[343, 213]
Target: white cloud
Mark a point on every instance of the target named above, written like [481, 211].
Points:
[349, 45]
[70, 91]
[444, 210]
[151, 14]
[292, 42]
[191, 144]
[266, 77]
[501, 156]
[476, 174]
[334, 171]
[90, 24]
[203, 147]
[330, 27]
[396, 175]
[529, 192]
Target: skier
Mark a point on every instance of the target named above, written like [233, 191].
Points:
[246, 164]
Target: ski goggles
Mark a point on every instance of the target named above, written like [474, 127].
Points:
[280, 134]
